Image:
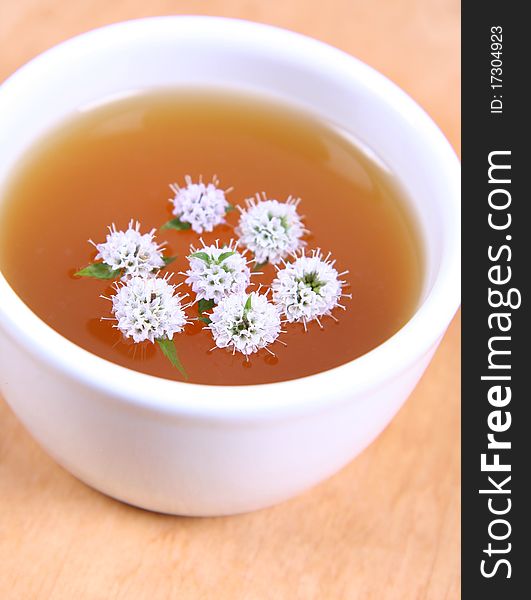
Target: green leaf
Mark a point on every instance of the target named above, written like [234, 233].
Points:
[170, 352]
[230, 208]
[176, 224]
[168, 259]
[202, 255]
[204, 305]
[248, 304]
[225, 255]
[205, 320]
[258, 266]
[99, 271]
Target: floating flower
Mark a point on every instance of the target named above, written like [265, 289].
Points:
[130, 252]
[200, 206]
[308, 288]
[148, 309]
[245, 322]
[270, 229]
[217, 272]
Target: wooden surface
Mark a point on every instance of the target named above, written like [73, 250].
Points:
[387, 526]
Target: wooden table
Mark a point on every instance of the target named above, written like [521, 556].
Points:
[387, 526]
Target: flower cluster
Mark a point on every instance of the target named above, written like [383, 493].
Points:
[147, 307]
[271, 229]
[245, 323]
[201, 205]
[307, 288]
[131, 252]
[216, 272]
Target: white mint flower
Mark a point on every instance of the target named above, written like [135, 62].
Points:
[308, 288]
[201, 205]
[217, 272]
[270, 229]
[245, 322]
[148, 309]
[133, 253]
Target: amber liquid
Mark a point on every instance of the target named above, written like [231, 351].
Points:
[114, 162]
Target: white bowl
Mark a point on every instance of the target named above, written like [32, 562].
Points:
[204, 450]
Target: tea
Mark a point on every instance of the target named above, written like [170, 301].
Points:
[113, 162]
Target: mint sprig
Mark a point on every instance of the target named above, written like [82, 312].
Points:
[99, 271]
[104, 271]
[168, 260]
[202, 306]
[170, 352]
[209, 260]
[202, 256]
[176, 224]
[248, 304]
[225, 255]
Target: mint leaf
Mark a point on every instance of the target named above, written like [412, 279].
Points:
[202, 255]
[248, 304]
[170, 352]
[204, 305]
[258, 266]
[230, 208]
[205, 320]
[99, 271]
[168, 259]
[225, 255]
[176, 224]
